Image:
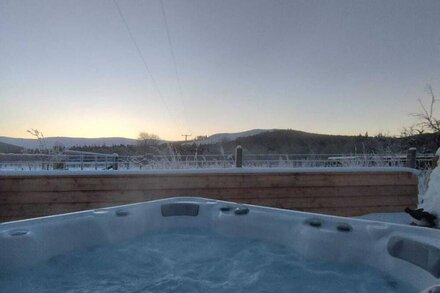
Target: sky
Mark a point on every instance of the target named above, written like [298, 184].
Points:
[72, 68]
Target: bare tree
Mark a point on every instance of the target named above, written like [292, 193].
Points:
[147, 142]
[146, 138]
[426, 116]
[42, 147]
[411, 131]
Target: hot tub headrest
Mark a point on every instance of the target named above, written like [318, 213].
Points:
[418, 253]
[179, 209]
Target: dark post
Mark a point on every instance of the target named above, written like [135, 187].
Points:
[411, 158]
[238, 157]
[116, 161]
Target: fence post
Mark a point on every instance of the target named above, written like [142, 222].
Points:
[82, 161]
[115, 162]
[411, 158]
[96, 162]
[238, 156]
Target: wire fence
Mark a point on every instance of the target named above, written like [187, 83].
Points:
[73, 160]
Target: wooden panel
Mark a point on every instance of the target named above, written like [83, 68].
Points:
[33, 211]
[344, 194]
[15, 212]
[225, 194]
[139, 182]
[289, 203]
[323, 202]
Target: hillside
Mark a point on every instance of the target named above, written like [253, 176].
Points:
[225, 137]
[9, 148]
[299, 142]
[277, 141]
[68, 142]
[291, 141]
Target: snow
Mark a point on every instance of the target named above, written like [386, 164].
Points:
[431, 198]
[31, 143]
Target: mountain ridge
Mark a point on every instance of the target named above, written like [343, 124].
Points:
[257, 141]
[68, 142]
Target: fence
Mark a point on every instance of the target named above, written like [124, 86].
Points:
[32, 162]
[73, 160]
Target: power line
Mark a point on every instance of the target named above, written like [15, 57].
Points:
[173, 55]
[147, 68]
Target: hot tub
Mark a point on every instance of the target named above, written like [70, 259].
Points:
[199, 245]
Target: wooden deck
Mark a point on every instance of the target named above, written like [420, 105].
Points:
[337, 193]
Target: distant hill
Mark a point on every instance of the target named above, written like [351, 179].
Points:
[257, 141]
[67, 142]
[286, 141]
[225, 137]
[9, 148]
[293, 141]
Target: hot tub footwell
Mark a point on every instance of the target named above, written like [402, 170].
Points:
[188, 260]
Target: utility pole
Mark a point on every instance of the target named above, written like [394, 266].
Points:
[186, 136]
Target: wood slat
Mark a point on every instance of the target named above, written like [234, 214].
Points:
[325, 202]
[31, 211]
[39, 210]
[224, 194]
[137, 182]
[299, 202]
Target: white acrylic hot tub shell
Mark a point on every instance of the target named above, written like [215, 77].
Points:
[26, 242]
